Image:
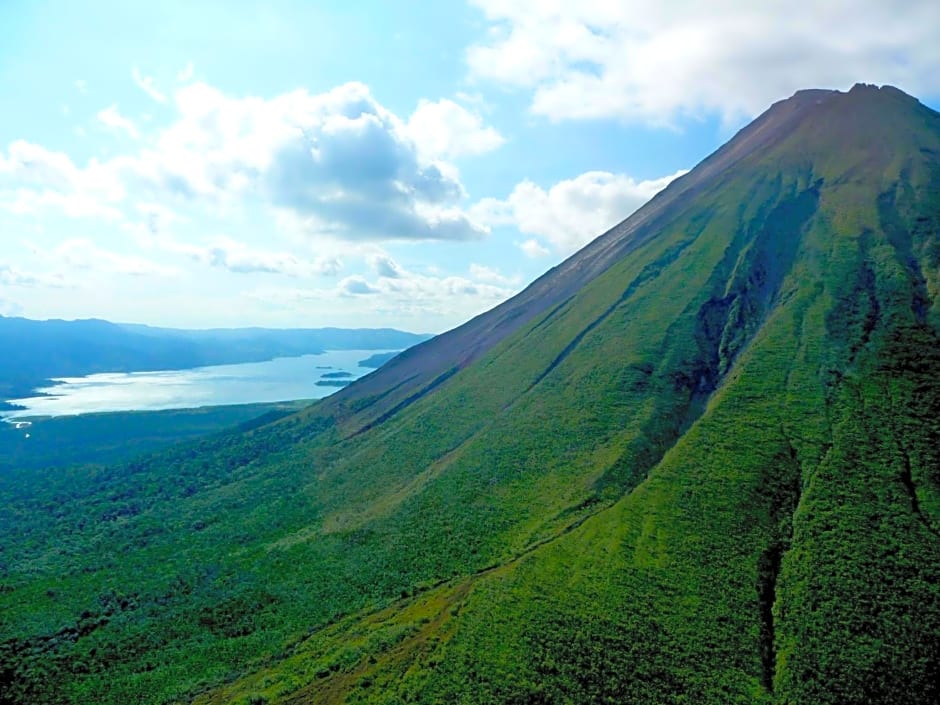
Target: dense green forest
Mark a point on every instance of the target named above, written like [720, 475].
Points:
[708, 474]
[56, 442]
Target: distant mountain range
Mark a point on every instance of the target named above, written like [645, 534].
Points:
[34, 351]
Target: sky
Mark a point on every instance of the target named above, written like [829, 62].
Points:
[371, 163]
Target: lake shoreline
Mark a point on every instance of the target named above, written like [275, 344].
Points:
[295, 404]
[279, 380]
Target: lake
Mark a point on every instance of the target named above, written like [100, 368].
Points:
[282, 379]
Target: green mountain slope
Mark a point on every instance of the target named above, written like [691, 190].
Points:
[697, 462]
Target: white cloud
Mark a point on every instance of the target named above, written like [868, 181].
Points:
[444, 129]
[41, 179]
[83, 254]
[74, 205]
[385, 266]
[145, 83]
[157, 219]
[483, 273]
[223, 252]
[239, 258]
[186, 73]
[534, 249]
[414, 294]
[32, 163]
[10, 308]
[356, 285]
[659, 62]
[572, 212]
[112, 118]
[327, 265]
[13, 276]
[335, 164]
[405, 300]
[82, 86]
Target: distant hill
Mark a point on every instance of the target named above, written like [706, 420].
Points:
[33, 350]
[698, 462]
[377, 360]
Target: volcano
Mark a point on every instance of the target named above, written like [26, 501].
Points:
[697, 462]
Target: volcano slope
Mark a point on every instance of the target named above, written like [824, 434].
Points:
[699, 462]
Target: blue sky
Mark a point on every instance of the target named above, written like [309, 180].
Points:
[405, 164]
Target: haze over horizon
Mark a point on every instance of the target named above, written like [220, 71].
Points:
[287, 165]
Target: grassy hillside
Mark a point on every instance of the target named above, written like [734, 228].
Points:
[708, 475]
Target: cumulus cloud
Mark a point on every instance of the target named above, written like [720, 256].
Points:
[444, 129]
[14, 276]
[572, 212]
[417, 295]
[223, 252]
[408, 296]
[145, 83]
[10, 276]
[327, 265]
[236, 257]
[73, 204]
[83, 254]
[656, 63]
[157, 218]
[534, 249]
[483, 273]
[44, 179]
[336, 164]
[34, 164]
[356, 286]
[112, 118]
[385, 266]
[186, 73]
[10, 308]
